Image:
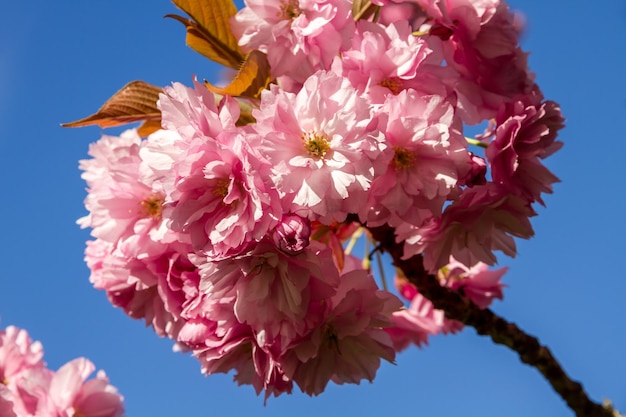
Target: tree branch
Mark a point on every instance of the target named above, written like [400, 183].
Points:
[486, 322]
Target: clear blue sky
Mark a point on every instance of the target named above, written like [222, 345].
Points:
[60, 60]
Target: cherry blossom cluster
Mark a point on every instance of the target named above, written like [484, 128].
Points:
[229, 238]
[28, 388]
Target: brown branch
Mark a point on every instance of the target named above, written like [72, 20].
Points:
[486, 322]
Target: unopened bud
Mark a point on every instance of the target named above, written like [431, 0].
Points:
[478, 170]
[292, 234]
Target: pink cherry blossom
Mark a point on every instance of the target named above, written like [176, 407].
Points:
[229, 239]
[275, 292]
[385, 60]
[28, 388]
[6, 402]
[478, 282]
[429, 157]
[195, 112]
[224, 344]
[219, 198]
[525, 134]
[323, 147]
[18, 353]
[413, 325]
[217, 195]
[480, 42]
[155, 289]
[348, 346]
[71, 393]
[299, 37]
[30, 393]
[484, 219]
[125, 202]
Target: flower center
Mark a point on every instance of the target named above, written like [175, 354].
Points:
[402, 159]
[441, 31]
[316, 144]
[394, 84]
[153, 206]
[221, 187]
[290, 9]
[332, 339]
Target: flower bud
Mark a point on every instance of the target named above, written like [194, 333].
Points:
[292, 234]
[476, 175]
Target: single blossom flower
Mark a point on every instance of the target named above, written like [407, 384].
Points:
[351, 341]
[28, 388]
[323, 147]
[484, 219]
[275, 292]
[217, 195]
[385, 60]
[299, 37]
[524, 134]
[428, 158]
[72, 394]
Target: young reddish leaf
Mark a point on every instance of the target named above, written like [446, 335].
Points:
[362, 9]
[208, 30]
[148, 127]
[253, 77]
[134, 102]
[245, 115]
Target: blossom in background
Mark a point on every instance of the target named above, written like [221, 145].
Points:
[28, 388]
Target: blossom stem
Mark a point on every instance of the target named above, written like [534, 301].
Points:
[353, 239]
[376, 14]
[381, 271]
[476, 142]
[458, 307]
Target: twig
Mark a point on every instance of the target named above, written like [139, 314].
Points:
[486, 322]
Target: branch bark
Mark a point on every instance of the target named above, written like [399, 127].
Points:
[458, 307]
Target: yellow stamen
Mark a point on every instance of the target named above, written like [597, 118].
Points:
[402, 159]
[289, 10]
[153, 206]
[221, 187]
[394, 84]
[316, 144]
[333, 340]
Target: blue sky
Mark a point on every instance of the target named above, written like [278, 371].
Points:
[59, 61]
